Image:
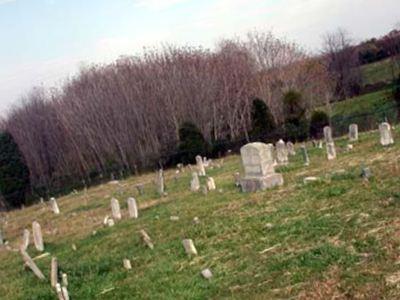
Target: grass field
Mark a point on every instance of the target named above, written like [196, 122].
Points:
[336, 238]
[380, 71]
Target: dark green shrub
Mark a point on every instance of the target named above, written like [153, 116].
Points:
[191, 143]
[262, 122]
[296, 123]
[396, 93]
[319, 120]
[14, 174]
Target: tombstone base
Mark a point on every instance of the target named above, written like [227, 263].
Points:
[254, 184]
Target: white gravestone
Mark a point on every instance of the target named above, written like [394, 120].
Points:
[189, 247]
[25, 239]
[385, 134]
[160, 182]
[195, 182]
[200, 166]
[258, 164]
[304, 153]
[37, 236]
[132, 208]
[328, 134]
[331, 150]
[290, 148]
[353, 132]
[211, 184]
[54, 206]
[281, 153]
[115, 209]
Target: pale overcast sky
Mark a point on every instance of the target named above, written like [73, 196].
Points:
[45, 41]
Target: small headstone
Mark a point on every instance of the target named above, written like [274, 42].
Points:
[195, 182]
[132, 208]
[304, 154]
[196, 220]
[349, 147]
[140, 189]
[25, 239]
[290, 148]
[353, 132]
[174, 218]
[54, 206]
[331, 150]
[1, 238]
[180, 167]
[115, 209]
[37, 236]
[206, 273]
[366, 173]
[281, 153]
[146, 239]
[320, 145]
[236, 176]
[385, 134]
[110, 222]
[160, 182]
[127, 264]
[65, 293]
[54, 272]
[64, 279]
[200, 166]
[211, 184]
[73, 247]
[328, 134]
[189, 247]
[258, 163]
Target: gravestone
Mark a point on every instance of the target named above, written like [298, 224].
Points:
[200, 166]
[132, 208]
[64, 279]
[160, 182]
[290, 148]
[146, 239]
[127, 264]
[211, 184]
[385, 134]
[353, 132]
[206, 273]
[1, 238]
[54, 272]
[115, 209]
[328, 134]
[195, 182]
[140, 188]
[258, 164]
[37, 236]
[54, 206]
[189, 247]
[331, 150]
[65, 293]
[304, 154]
[281, 153]
[31, 264]
[236, 177]
[25, 239]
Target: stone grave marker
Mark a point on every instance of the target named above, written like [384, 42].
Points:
[353, 132]
[37, 236]
[386, 137]
[281, 153]
[132, 208]
[189, 247]
[195, 182]
[115, 209]
[200, 166]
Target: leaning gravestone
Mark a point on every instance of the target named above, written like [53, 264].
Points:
[281, 153]
[353, 132]
[132, 208]
[258, 163]
[54, 206]
[190, 249]
[115, 209]
[37, 236]
[304, 153]
[200, 166]
[195, 182]
[290, 148]
[386, 134]
[25, 239]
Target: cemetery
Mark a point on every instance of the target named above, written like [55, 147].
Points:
[294, 220]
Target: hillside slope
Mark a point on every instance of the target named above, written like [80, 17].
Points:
[338, 237]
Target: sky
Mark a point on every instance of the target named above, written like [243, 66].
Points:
[44, 42]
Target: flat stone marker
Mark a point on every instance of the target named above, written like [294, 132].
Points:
[206, 273]
[127, 264]
[189, 247]
[331, 150]
[115, 209]
[37, 236]
[25, 239]
[310, 179]
[290, 148]
[132, 208]
[385, 134]
[258, 163]
[353, 132]
[195, 182]
[146, 239]
[328, 134]
[174, 218]
[211, 184]
[281, 153]
[54, 206]
[54, 272]
[200, 166]
[304, 154]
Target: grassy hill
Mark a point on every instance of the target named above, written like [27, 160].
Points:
[338, 237]
[380, 71]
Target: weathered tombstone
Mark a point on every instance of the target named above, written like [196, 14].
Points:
[236, 176]
[54, 206]
[140, 188]
[180, 167]
[281, 153]
[206, 273]
[200, 166]
[132, 208]
[127, 264]
[160, 182]
[195, 182]
[54, 272]
[211, 184]
[353, 132]
[25, 239]
[59, 292]
[65, 293]
[115, 209]
[320, 146]
[1, 238]
[304, 153]
[189, 247]
[328, 134]
[146, 238]
[290, 148]
[37, 236]
[331, 150]
[64, 279]
[110, 222]
[258, 163]
[366, 173]
[385, 134]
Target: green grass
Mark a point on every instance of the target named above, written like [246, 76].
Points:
[380, 71]
[337, 237]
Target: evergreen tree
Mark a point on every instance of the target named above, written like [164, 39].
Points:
[296, 123]
[319, 120]
[191, 143]
[262, 121]
[14, 174]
